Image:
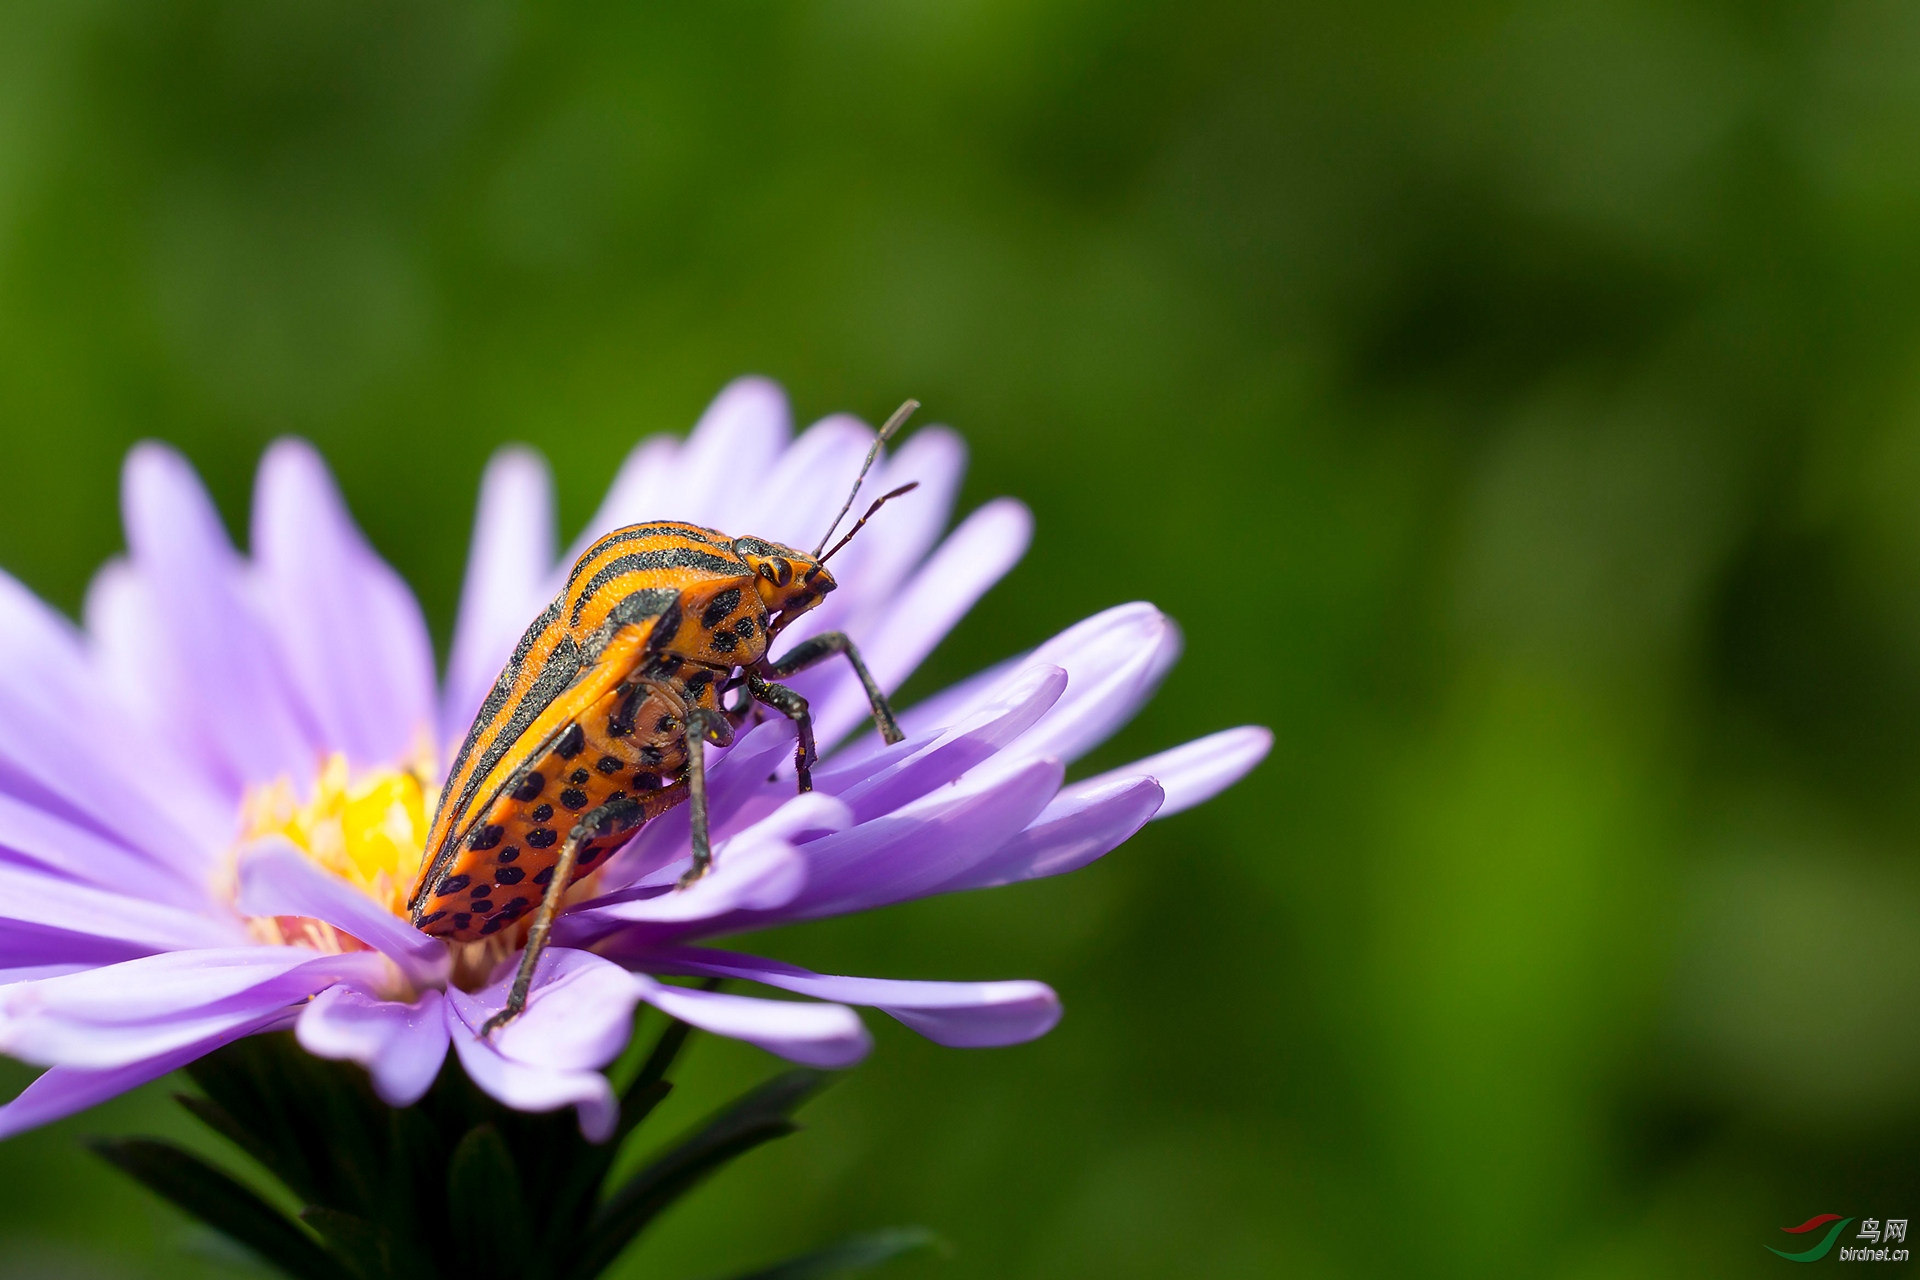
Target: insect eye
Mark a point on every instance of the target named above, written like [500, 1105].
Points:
[765, 570]
[784, 568]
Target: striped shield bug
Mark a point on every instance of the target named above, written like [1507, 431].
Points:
[596, 724]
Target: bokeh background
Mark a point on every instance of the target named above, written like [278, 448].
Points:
[1518, 403]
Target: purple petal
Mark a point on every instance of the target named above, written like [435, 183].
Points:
[759, 870]
[506, 583]
[946, 757]
[913, 850]
[118, 612]
[231, 688]
[965, 1015]
[809, 484]
[52, 720]
[133, 676]
[1084, 822]
[974, 557]
[815, 1035]
[353, 634]
[45, 765]
[63, 1091]
[523, 1086]
[640, 492]
[35, 898]
[872, 566]
[1200, 770]
[804, 817]
[737, 778]
[276, 879]
[935, 713]
[117, 1015]
[28, 946]
[1114, 662]
[754, 872]
[400, 1045]
[59, 845]
[741, 434]
[36, 972]
[155, 985]
[579, 1012]
[43, 650]
[875, 564]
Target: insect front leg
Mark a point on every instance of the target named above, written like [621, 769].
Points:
[794, 707]
[702, 726]
[600, 821]
[812, 652]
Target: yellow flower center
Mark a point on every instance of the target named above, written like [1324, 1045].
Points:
[369, 830]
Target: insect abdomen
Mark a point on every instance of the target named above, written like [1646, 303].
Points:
[592, 667]
[631, 742]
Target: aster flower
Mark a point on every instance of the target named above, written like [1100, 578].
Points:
[213, 796]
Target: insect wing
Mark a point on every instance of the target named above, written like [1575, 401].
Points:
[540, 696]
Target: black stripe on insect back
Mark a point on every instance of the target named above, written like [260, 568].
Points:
[562, 669]
[502, 690]
[642, 561]
[639, 533]
[638, 606]
[648, 602]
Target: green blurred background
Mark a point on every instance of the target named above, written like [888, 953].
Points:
[1518, 403]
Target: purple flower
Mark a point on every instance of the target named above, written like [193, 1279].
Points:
[213, 797]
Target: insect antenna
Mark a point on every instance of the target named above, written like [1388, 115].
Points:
[893, 424]
[859, 524]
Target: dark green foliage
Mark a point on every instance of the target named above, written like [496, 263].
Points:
[760, 1116]
[1525, 395]
[456, 1186]
[224, 1204]
[855, 1253]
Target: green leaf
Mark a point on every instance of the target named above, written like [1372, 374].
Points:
[319, 1120]
[660, 1061]
[575, 1180]
[222, 1122]
[569, 1171]
[856, 1253]
[242, 1107]
[756, 1117]
[638, 1103]
[214, 1197]
[354, 1240]
[416, 1179]
[487, 1209]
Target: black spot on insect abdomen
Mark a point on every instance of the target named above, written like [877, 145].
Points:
[520, 839]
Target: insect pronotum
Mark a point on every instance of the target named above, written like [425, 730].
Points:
[596, 724]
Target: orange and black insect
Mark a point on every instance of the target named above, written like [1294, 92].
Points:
[593, 727]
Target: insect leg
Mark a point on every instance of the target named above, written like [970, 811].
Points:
[821, 647]
[793, 707]
[742, 703]
[702, 725]
[598, 821]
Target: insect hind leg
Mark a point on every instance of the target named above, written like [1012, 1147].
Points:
[598, 821]
[703, 726]
[811, 652]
